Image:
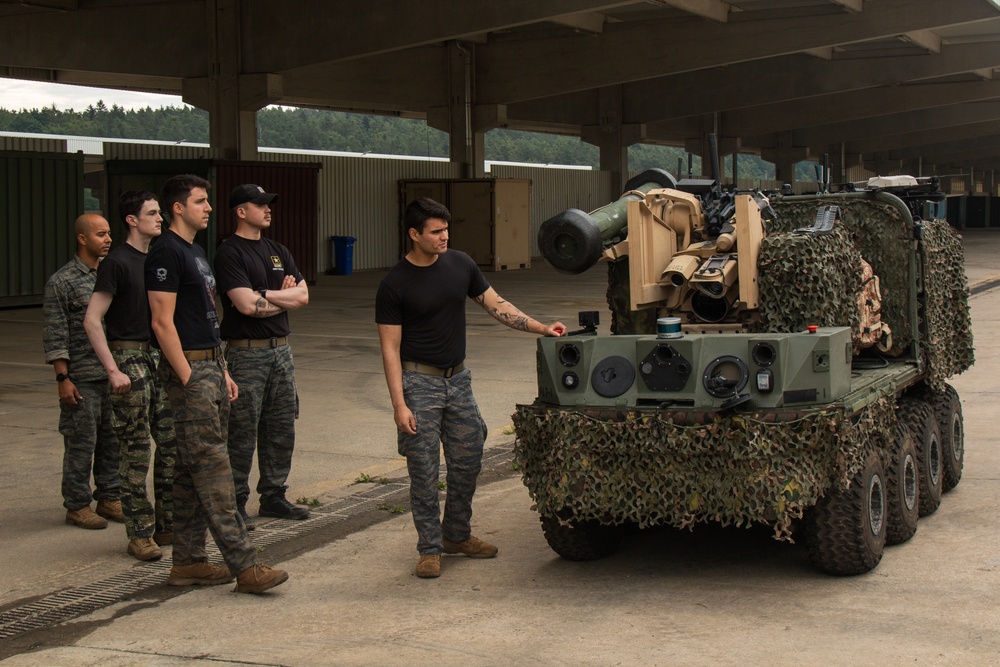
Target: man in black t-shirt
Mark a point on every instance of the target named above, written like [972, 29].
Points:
[260, 283]
[420, 312]
[140, 410]
[181, 291]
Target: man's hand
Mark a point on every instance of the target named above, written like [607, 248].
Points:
[405, 421]
[555, 329]
[120, 382]
[288, 282]
[231, 388]
[69, 394]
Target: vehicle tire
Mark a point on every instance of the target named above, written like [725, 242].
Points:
[917, 415]
[581, 540]
[848, 527]
[948, 412]
[902, 483]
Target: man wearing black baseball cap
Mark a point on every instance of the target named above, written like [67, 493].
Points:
[260, 283]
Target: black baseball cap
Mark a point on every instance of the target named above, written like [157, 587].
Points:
[250, 193]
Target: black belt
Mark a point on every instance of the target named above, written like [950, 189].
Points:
[202, 355]
[427, 369]
[115, 345]
[258, 342]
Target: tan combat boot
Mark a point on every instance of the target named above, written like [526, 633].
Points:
[258, 578]
[429, 566]
[472, 547]
[199, 574]
[85, 518]
[110, 509]
[163, 538]
[143, 548]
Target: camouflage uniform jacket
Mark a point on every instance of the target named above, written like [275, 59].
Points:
[67, 295]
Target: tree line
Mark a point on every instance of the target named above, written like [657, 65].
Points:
[281, 127]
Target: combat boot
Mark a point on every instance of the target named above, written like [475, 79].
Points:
[248, 523]
[280, 508]
[143, 548]
[163, 538]
[199, 574]
[429, 566]
[472, 547]
[258, 578]
[85, 518]
[111, 509]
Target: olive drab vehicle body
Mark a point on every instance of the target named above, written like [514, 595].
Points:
[779, 361]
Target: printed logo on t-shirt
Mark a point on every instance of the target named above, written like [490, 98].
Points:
[161, 274]
[276, 261]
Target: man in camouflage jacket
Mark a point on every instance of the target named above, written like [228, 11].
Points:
[84, 398]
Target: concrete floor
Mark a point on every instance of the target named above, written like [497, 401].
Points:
[666, 597]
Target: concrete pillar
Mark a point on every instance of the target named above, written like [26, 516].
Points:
[232, 99]
[466, 145]
[230, 127]
[613, 147]
[785, 155]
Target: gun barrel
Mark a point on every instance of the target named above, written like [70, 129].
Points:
[572, 241]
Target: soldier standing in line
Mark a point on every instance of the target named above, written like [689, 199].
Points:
[84, 398]
[140, 410]
[420, 312]
[181, 290]
[260, 283]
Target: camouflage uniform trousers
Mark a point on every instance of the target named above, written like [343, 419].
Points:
[446, 414]
[262, 418]
[203, 481]
[139, 417]
[90, 444]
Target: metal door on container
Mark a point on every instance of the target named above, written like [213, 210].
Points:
[471, 229]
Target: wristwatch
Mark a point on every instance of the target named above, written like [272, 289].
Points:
[263, 293]
[63, 376]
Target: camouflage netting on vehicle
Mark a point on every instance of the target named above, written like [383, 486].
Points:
[652, 469]
[623, 319]
[948, 321]
[879, 230]
[809, 279]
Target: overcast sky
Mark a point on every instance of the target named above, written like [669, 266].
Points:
[16, 95]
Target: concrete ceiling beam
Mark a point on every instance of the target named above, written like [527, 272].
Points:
[633, 51]
[381, 27]
[792, 77]
[854, 105]
[920, 138]
[897, 123]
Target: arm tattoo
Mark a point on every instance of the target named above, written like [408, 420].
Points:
[261, 306]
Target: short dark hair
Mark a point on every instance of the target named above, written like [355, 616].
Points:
[131, 203]
[422, 209]
[177, 189]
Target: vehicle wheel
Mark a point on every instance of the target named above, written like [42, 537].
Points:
[902, 483]
[848, 527]
[581, 540]
[948, 411]
[917, 415]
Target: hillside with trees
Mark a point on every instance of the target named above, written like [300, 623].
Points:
[281, 127]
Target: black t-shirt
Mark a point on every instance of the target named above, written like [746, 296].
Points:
[429, 303]
[121, 275]
[174, 265]
[242, 262]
